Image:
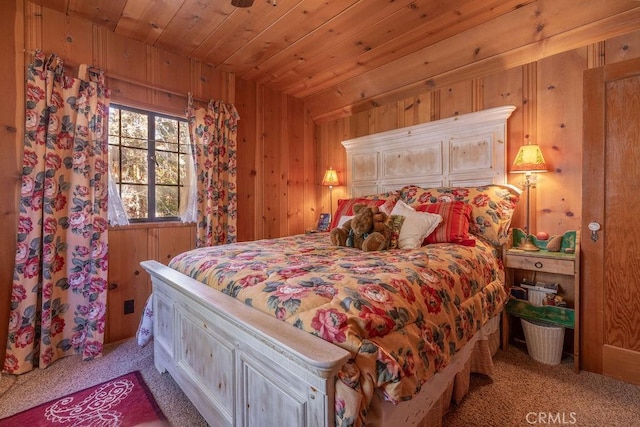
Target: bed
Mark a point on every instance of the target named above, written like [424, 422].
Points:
[296, 332]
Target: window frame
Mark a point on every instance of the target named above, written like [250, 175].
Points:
[152, 162]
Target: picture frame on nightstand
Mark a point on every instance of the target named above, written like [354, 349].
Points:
[324, 221]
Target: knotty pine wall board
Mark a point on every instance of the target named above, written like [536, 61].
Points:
[384, 117]
[416, 109]
[621, 48]
[169, 67]
[126, 280]
[11, 137]
[167, 242]
[207, 82]
[249, 161]
[559, 123]
[52, 31]
[295, 182]
[312, 186]
[508, 88]
[456, 99]
[126, 57]
[331, 153]
[276, 165]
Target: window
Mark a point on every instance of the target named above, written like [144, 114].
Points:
[147, 156]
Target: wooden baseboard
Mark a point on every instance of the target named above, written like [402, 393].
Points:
[621, 363]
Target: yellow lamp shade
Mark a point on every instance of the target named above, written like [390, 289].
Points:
[330, 178]
[529, 159]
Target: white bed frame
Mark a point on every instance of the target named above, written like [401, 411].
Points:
[241, 367]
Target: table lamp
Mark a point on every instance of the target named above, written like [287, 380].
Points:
[330, 179]
[529, 160]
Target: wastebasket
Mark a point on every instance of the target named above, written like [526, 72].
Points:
[544, 341]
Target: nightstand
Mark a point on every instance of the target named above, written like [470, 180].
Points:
[558, 267]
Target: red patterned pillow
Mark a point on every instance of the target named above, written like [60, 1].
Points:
[454, 227]
[345, 206]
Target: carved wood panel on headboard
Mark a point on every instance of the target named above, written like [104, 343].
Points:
[465, 150]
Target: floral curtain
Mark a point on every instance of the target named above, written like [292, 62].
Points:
[58, 302]
[213, 131]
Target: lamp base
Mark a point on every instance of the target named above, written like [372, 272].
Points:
[528, 246]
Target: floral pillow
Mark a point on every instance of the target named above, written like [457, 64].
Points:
[385, 201]
[492, 206]
[454, 227]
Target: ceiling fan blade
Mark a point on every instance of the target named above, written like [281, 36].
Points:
[242, 3]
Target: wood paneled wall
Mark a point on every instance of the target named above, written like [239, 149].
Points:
[277, 169]
[138, 74]
[129, 285]
[276, 158]
[281, 153]
[11, 135]
[548, 97]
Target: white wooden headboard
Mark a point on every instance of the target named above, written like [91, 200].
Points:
[466, 150]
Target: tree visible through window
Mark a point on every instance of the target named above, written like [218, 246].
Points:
[147, 155]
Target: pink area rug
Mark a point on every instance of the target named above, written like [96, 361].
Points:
[123, 401]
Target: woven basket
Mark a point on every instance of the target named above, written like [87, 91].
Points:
[544, 342]
[536, 295]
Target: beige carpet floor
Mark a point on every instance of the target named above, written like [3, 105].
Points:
[528, 393]
[70, 374]
[523, 392]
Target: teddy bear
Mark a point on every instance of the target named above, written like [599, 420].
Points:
[367, 230]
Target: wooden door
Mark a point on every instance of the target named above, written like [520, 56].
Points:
[611, 196]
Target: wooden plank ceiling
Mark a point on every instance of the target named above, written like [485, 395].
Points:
[344, 55]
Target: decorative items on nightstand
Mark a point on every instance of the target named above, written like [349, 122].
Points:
[551, 303]
[529, 161]
[324, 221]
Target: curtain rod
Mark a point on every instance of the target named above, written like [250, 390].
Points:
[128, 80]
[152, 87]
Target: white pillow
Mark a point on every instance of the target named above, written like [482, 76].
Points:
[343, 219]
[416, 226]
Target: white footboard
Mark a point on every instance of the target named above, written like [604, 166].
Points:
[239, 366]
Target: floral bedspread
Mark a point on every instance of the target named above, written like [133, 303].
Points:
[401, 313]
